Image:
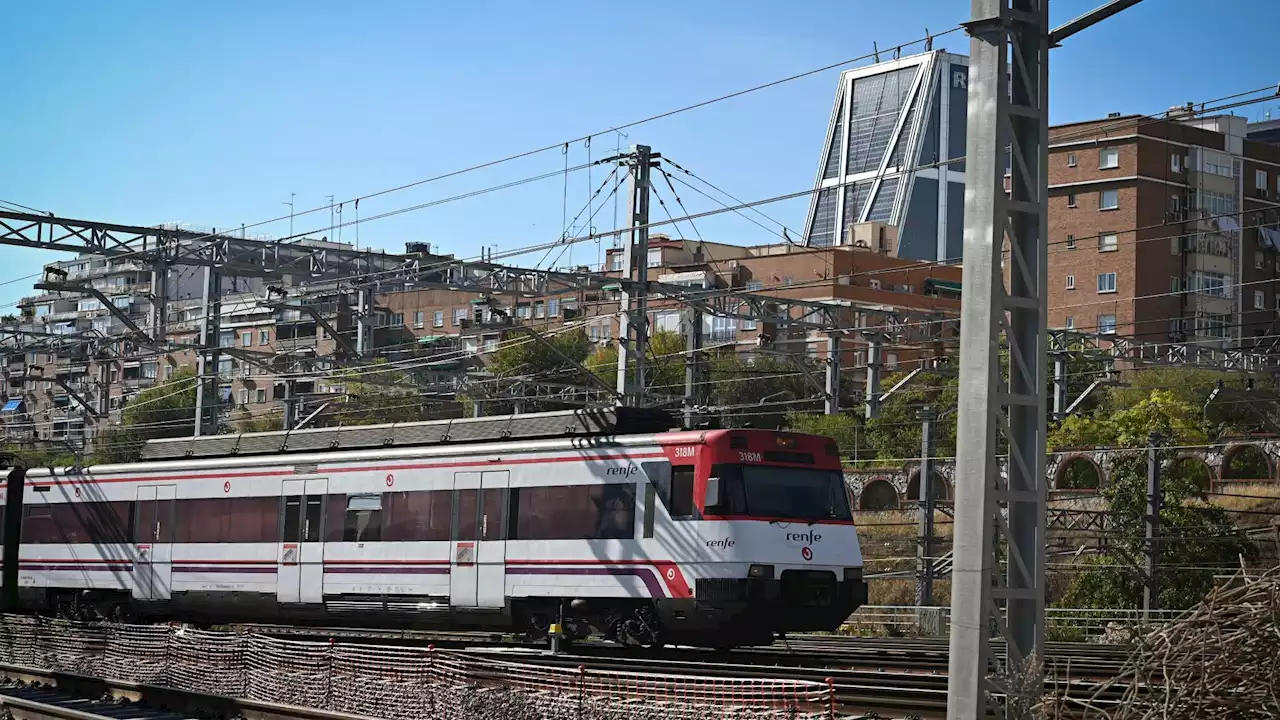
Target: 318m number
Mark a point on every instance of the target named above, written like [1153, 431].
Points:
[745, 456]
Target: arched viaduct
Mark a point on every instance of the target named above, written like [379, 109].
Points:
[1074, 470]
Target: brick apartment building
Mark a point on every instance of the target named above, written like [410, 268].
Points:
[864, 276]
[1165, 230]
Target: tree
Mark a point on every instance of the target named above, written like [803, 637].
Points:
[664, 373]
[846, 429]
[1196, 537]
[388, 396]
[895, 433]
[161, 411]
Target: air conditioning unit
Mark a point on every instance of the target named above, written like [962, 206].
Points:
[734, 264]
[875, 284]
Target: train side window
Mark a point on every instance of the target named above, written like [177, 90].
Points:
[38, 525]
[292, 518]
[574, 512]
[681, 503]
[335, 518]
[465, 516]
[650, 508]
[364, 519]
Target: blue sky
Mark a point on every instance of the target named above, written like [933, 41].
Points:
[213, 113]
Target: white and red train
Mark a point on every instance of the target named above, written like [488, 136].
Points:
[712, 537]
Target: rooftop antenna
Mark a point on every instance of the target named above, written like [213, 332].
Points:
[928, 40]
[875, 50]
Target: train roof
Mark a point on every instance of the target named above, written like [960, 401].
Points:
[591, 422]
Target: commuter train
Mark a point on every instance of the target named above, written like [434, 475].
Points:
[717, 538]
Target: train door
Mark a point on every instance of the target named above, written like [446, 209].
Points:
[478, 564]
[153, 538]
[300, 571]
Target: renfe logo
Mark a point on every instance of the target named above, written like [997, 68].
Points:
[627, 471]
[805, 538]
[724, 544]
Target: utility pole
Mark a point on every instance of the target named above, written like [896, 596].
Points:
[633, 317]
[873, 378]
[1155, 498]
[1059, 385]
[290, 204]
[290, 413]
[207, 400]
[331, 218]
[924, 546]
[693, 393]
[1007, 126]
[363, 331]
[832, 404]
[159, 297]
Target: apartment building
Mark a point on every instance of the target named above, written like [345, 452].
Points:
[1165, 230]
[864, 275]
[67, 373]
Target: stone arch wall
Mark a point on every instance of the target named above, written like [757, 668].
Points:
[879, 494]
[1066, 461]
[1215, 459]
[1230, 452]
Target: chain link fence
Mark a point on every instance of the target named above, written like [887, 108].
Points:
[399, 683]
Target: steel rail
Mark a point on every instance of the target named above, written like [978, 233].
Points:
[68, 702]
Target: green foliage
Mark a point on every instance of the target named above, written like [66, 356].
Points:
[1159, 411]
[1196, 537]
[664, 373]
[845, 429]
[530, 357]
[755, 390]
[895, 433]
[374, 396]
[161, 411]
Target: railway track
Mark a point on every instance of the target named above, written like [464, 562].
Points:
[1066, 660]
[37, 694]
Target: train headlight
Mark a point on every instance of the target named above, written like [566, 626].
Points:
[761, 571]
[852, 574]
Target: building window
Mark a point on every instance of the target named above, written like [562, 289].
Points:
[655, 257]
[260, 395]
[1107, 324]
[1207, 283]
[1070, 322]
[1071, 282]
[437, 318]
[891, 361]
[419, 319]
[553, 307]
[246, 339]
[1071, 200]
[1071, 242]
[1175, 162]
[523, 312]
[244, 396]
[1108, 199]
[1108, 158]
[1106, 282]
[1175, 284]
[459, 315]
[1259, 260]
[1259, 300]
[1108, 242]
[1071, 159]
[264, 337]
[1212, 325]
[1175, 204]
[1260, 179]
[539, 310]
[615, 261]
[168, 372]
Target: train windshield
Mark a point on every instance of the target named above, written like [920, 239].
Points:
[781, 492]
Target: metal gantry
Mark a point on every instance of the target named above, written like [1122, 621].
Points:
[998, 576]
[1002, 401]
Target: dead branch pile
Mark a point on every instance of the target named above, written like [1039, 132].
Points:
[1220, 660]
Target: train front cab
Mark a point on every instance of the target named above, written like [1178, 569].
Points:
[772, 529]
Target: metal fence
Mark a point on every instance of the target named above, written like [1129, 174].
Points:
[401, 683]
[1061, 623]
